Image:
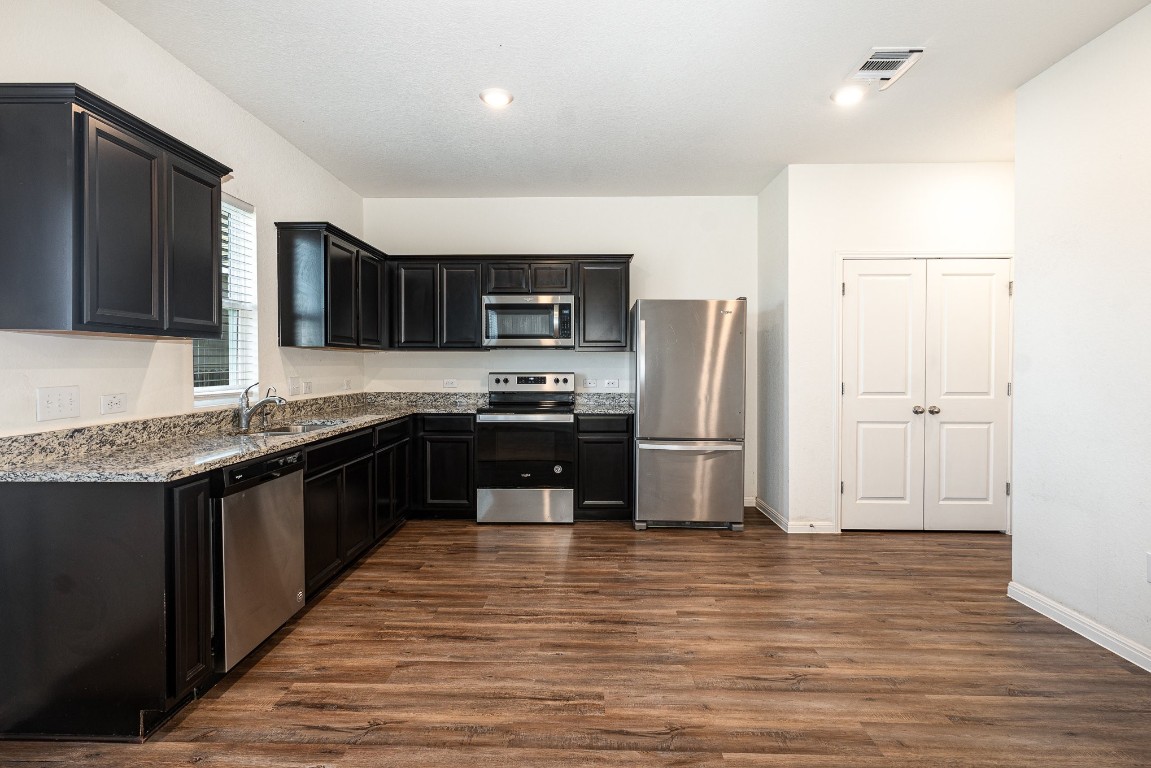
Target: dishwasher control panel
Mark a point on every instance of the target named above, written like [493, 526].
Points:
[257, 469]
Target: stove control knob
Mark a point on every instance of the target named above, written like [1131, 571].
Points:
[505, 379]
[556, 380]
[557, 469]
[565, 379]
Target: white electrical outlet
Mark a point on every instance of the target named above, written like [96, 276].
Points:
[57, 402]
[307, 387]
[117, 403]
[347, 383]
[590, 383]
[294, 387]
[611, 383]
[450, 384]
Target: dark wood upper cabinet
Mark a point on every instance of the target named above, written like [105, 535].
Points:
[415, 302]
[193, 268]
[460, 306]
[527, 277]
[436, 305]
[330, 286]
[603, 305]
[110, 224]
[371, 303]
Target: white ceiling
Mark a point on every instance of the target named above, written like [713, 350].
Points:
[616, 97]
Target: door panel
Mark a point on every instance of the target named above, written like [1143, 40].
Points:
[968, 368]
[883, 378]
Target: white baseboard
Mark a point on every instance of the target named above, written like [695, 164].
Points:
[1139, 655]
[748, 501]
[796, 527]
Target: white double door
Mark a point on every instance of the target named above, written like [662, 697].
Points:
[926, 412]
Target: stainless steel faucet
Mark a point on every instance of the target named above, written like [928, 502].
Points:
[247, 411]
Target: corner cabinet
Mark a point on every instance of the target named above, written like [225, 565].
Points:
[110, 224]
[331, 288]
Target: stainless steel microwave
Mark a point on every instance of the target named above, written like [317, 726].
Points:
[529, 321]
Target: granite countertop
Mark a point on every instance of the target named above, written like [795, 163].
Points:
[174, 448]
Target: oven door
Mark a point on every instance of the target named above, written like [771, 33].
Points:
[528, 321]
[522, 450]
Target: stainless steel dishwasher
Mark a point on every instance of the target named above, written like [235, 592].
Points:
[260, 554]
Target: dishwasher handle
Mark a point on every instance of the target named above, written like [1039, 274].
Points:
[262, 471]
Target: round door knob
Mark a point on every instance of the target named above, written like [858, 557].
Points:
[933, 410]
[917, 410]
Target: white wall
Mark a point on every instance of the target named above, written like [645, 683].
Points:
[685, 247]
[1082, 506]
[836, 210]
[772, 346]
[82, 41]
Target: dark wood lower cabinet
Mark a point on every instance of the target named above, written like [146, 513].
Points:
[322, 494]
[393, 483]
[190, 574]
[356, 512]
[603, 467]
[447, 472]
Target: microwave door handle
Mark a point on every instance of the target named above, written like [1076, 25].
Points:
[556, 320]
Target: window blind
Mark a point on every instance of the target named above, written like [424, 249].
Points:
[229, 364]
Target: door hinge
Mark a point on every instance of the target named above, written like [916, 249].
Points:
[1011, 288]
[841, 486]
[843, 289]
[1009, 489]
[842, 388]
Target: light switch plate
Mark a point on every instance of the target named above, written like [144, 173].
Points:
[57, 402]
[294, 387]
[307, 387]
[450, 384]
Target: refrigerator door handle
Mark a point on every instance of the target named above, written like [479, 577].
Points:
[689, 447]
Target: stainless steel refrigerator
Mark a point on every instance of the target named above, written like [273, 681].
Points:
[689, 412]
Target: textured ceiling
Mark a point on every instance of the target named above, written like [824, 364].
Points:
[616, 97]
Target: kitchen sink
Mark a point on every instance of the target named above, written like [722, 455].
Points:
[296, 429]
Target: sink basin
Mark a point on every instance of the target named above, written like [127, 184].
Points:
[296, 429]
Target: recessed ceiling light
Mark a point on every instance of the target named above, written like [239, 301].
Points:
[848, 95]
[496, 98]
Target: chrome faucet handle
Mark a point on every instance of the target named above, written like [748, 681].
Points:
[271, 391]
[244, 397]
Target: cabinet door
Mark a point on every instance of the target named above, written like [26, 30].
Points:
[402, 499]
[371, 301]
[460, 304]
[341, 293]
[603, 297]
[193, 251]
[322, 497]
[414, 305]
[123, 271]
[190, 614]
[604, 472]
[357, 510]
[551, 278]
[385, 506]
[506, 278]
[447, 472]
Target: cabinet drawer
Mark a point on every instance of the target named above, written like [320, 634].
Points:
[338, 451]
[447, 422]
[603, 423]
[393, 432]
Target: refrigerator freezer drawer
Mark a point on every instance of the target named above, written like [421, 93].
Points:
[689, 482]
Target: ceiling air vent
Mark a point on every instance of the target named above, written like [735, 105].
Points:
[886, 65]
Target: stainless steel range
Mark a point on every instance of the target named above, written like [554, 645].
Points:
[525, 449]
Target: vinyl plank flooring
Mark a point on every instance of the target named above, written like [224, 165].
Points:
[593, 645]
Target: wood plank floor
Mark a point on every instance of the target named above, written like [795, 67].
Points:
[594, 645]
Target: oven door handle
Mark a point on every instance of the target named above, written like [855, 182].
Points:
[554, 418]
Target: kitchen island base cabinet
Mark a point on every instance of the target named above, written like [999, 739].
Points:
[106, 606]
[603, 467]
[393, 475]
